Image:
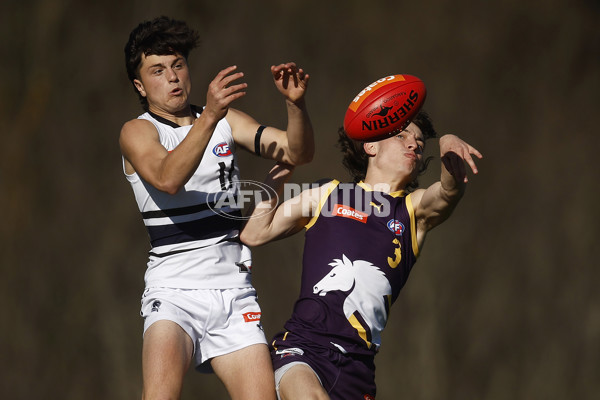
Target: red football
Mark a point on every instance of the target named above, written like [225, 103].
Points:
[384, 108]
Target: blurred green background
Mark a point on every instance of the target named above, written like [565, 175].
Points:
[503, 303]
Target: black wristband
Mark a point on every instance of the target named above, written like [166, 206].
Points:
[257, 140]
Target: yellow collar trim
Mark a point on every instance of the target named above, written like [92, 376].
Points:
[399, 193]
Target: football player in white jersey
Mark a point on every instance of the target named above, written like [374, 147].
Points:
[181, 326]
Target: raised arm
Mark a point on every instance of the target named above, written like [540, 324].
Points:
[435, 204]
[271, 219]
[295, 145]
[170, 171]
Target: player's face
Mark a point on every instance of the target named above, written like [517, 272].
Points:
[402, 153]
[165, 82]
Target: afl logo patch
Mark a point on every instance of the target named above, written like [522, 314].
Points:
[396, 227]
[221, 150]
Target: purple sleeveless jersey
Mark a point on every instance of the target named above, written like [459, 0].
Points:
[358, 253]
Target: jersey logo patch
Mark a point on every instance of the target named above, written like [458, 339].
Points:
[396, 227]
[292, 351]
[222, 150]
[245, 267]
[341, 210]
[251, 316]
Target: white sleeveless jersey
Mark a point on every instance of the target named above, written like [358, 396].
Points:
[193, 234]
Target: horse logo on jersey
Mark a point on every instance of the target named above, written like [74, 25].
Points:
[366, 306]
[396, 227]
[222, 150]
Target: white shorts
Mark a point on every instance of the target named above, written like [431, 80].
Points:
[219, 321]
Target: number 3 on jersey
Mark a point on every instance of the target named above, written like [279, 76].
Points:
[393, 262]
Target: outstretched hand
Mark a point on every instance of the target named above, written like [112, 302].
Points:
[273, 186]
[222, 91]
[278, 175]
[290, 80]
[455, 152]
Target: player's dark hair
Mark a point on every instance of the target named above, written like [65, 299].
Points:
[356, 160]
[160, 36]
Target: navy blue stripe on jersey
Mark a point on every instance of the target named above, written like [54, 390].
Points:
[170, 253]
[177, 212]
[201, 229]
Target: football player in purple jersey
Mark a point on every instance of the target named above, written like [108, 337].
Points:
[361, 241]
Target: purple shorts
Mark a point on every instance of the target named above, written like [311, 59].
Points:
[344, 377]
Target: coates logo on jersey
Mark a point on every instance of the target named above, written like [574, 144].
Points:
[341, 210]
[251, 316]
[395, 226]
[221, 150]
